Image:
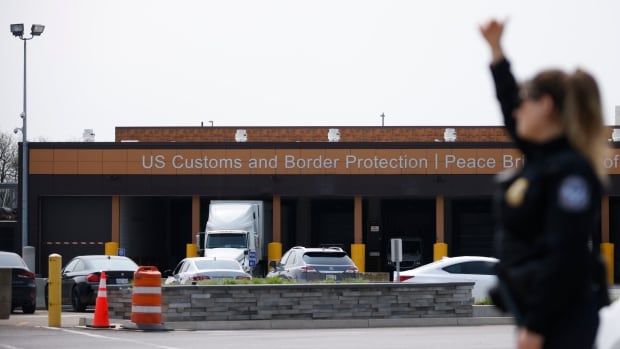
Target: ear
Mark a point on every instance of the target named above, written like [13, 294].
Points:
[546, 104]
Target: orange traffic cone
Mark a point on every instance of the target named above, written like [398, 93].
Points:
[101, 307]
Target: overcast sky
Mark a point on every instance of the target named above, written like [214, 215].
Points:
[102, 64]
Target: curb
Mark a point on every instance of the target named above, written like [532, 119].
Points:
[337, 324]
[86, 323]
[309, 324]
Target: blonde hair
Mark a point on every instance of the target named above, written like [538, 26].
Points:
[577, 99]
[583, 120]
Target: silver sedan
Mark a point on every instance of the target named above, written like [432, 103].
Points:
[191, 270]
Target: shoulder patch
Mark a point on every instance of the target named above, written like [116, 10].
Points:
[574, 194]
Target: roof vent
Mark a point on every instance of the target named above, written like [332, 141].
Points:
[449, 135]
[88, 135]
[333, 135]
[615, 134]
[241, 136]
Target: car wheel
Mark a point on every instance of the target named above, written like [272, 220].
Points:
[76, 303]
[29, 308]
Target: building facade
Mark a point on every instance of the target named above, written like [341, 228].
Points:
[149, 191]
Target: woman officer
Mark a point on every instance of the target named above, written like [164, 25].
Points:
[548, 210]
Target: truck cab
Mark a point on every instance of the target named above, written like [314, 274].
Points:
[235, 230]
[232, 244]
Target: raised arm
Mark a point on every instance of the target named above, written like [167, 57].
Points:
[492, 33]
[506, 87]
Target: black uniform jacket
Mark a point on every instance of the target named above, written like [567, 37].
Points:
[547, 213]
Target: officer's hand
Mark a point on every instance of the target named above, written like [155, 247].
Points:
[527, 339]
[492, 33]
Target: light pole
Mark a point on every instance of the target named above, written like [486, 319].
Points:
[18, 31]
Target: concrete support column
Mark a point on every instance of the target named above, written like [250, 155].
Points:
[274, 249]
[277, 219]
[116, 219]
[358, 249]
[607, 248]
[191, 248]
[440, 248]
[111, 247]
[195, 218]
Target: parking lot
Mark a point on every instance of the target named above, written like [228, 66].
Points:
[31, 331]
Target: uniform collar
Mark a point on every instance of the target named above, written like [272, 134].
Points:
[551, 147]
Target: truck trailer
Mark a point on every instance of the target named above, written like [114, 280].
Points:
[236, 230]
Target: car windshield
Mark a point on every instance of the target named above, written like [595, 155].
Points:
[226, 240]
[327, 258]
[217, 264]
[105, 263]
[11, 260]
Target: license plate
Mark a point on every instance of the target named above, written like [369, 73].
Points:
[330, 277]
[122, 281]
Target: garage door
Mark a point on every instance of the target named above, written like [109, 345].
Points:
[473, 227]
[73, 226]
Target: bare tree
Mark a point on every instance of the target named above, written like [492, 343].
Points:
[8, 173]
[8, 158]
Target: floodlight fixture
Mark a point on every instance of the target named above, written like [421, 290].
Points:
[17, 29]
[36, 29]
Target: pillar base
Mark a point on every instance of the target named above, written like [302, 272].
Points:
[358, 255]
[607, 252]
[274, 252]
[111, 248]
[440, 250]
[191, 250]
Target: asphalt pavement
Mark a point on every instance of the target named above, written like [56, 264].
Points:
[30, 331]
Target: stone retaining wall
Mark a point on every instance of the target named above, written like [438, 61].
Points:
[303, 301]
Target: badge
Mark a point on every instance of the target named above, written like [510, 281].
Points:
[516, 192]
[574, 194]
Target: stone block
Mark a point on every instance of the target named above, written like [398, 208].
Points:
[200, 296]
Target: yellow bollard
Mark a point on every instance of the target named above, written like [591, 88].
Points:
[358, 255]
[191, 250]
[54, 290]
[607, 251]
[440, 250]
[111, 248]
[274, 252]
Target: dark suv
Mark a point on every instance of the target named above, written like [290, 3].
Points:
[24, 288]
[315, 264]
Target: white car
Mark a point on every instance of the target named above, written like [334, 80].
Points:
[608, 336]
[479, 270]
[191, 270]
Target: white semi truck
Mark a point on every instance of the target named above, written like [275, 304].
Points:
[236, 230]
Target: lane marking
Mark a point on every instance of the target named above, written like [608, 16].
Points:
[108, 337]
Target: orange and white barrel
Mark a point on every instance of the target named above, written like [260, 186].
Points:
[146, 296]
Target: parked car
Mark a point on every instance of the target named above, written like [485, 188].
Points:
[191, 270]
[479, 270]
[608, 336]
[24, 289]
[313, 264]
[81, 276]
